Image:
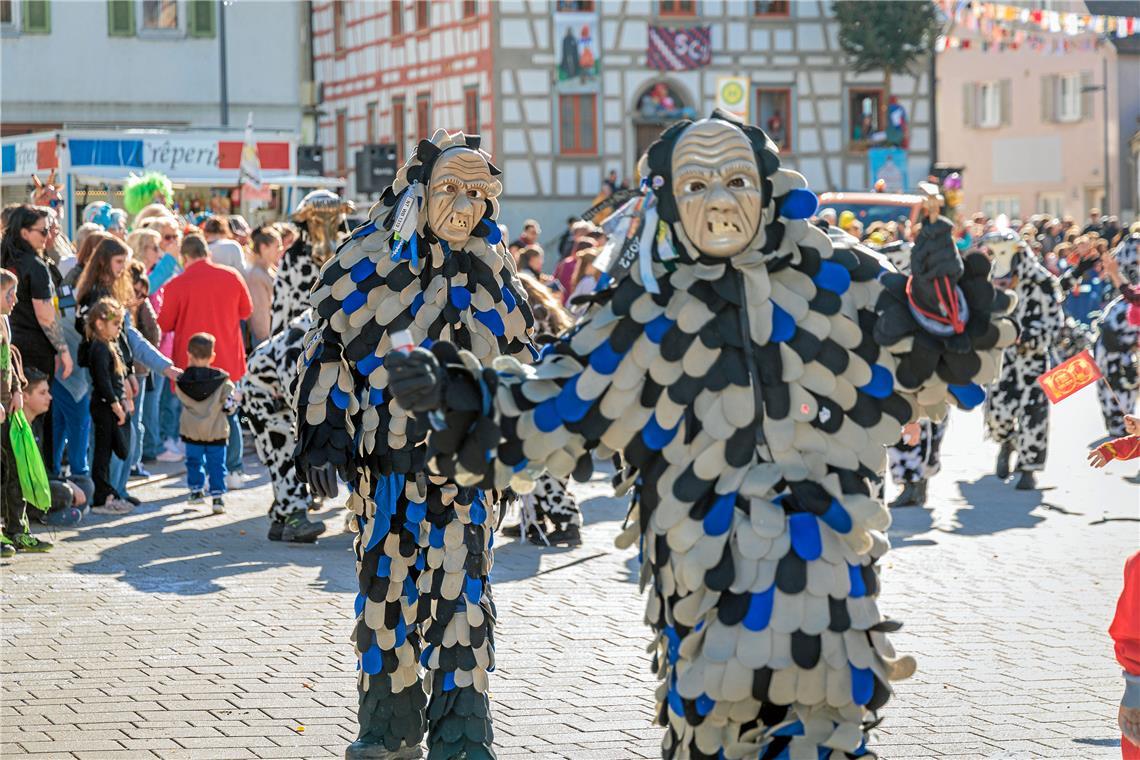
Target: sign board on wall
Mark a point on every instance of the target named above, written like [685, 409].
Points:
[176, 157]
[888, 165]
[578, 67]
[732, 96]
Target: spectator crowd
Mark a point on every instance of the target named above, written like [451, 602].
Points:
[120, 348]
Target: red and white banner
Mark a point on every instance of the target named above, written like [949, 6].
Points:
[679, 49]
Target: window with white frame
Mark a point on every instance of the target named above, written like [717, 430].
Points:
[1069, 97]
[989, 104]
[1051, 204]
[996, 205]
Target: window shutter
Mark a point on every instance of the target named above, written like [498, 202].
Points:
[969, 104]
[1086, 96]
[1006, 102]
[201, 18]
[1049, 98]
[121, 18]
[37, 17]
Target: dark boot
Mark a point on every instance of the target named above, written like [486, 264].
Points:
[568, 536]
[360, 750]
[513, 530]
[912, 495]
[299, 530]
[1027, 482]
[1004, 455]
[276, 528]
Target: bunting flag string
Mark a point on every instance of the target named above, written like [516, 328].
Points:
[1000, 27]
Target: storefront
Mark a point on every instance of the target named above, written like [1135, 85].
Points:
[93, 165]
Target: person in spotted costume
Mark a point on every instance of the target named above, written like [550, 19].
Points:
[750, 372]
[429, 266]
[1117, 348]
[266, 386]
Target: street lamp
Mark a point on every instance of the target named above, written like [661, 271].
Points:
[1103, 88]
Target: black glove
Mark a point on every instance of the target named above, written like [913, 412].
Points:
[322, 479]
[415, 379]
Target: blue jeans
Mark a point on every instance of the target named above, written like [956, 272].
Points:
[169, 409]
[152, 440]
[121, 469]
[234, 451]
[214, 455]
[71, 429]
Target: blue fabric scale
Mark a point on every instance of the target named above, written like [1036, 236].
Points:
[800, 203]
[425, 656]
[460, 297]
[837, 518]
[420, 562]
[478, 512]
[448, 681]
[806, 540]
[604, 360]
[570, 407]
[833, 277]
[792, 729]
[358, 605]
[546, 417]
[521, 465]
[368, 364]
[760, 609]
[411, 593]
[673, 648]
[656, 437]
[361, 270]
[375, 396]
[969, 396]
[675, 702]
[719, 519]
[353, 302]
[371, 661]
[435, 537]
[492, 320]
[656, 329]
[783, 325]
[705, 704]
[401, 631]
[862, 684]
[417, 303]
[364, 231]
[384, 567]
[855, 575]
[508, 299]
[473, 590]
[339, 398]
[494, 234]
[881, 384]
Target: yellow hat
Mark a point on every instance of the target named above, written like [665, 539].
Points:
[846, 218]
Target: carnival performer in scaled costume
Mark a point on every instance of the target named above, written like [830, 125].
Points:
[1117, 348]
[750, 374]
[1017, 412]
[272, 366]
[430, 264]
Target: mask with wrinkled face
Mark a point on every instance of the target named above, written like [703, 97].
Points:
[461, 187]
[322, 213]
[716, 184]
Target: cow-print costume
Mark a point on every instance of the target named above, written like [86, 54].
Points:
[911, 463]
[1117, 349]
[1017, 412]
[751, 396]
[266, 389]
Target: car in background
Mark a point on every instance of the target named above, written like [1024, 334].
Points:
[874, 207]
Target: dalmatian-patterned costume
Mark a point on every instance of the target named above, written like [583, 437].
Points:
[1117, 349]
[271, 366]
[429, 266]
[921, 461]
[751, 385]
[1017, 412]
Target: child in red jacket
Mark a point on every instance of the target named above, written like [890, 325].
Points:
[1125, 632]
[1127, 447]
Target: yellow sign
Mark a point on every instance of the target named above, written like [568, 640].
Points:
[732, 95]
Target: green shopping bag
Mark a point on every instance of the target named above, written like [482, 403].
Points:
[29, 463]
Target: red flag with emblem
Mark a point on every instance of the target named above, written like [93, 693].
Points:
[1069, 376]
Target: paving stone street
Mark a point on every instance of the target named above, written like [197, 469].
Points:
[173, 633]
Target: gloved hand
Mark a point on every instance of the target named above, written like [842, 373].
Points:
[322, 479]
[416, 379]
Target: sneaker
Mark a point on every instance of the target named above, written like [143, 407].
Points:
[138, 471]
[218, 506]
[568, 536]
[196, 497]
[113, 507]
[7, 548]
[298, 529]
[275, 530]
[514, 530]
[65, 517]
[132, 500]
[170, 454]
[235, 481]
[26, 542]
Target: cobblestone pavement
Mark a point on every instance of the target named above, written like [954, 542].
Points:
[173, 633]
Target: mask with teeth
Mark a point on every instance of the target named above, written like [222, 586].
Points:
[461, 186]
[323, 213]
[1001, 246]
[716, 184]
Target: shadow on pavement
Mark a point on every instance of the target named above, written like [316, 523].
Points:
[907, 522]
[995, 506]
[160, 558]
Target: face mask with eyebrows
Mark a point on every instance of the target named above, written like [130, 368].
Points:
[716, 184]
[461, 186]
